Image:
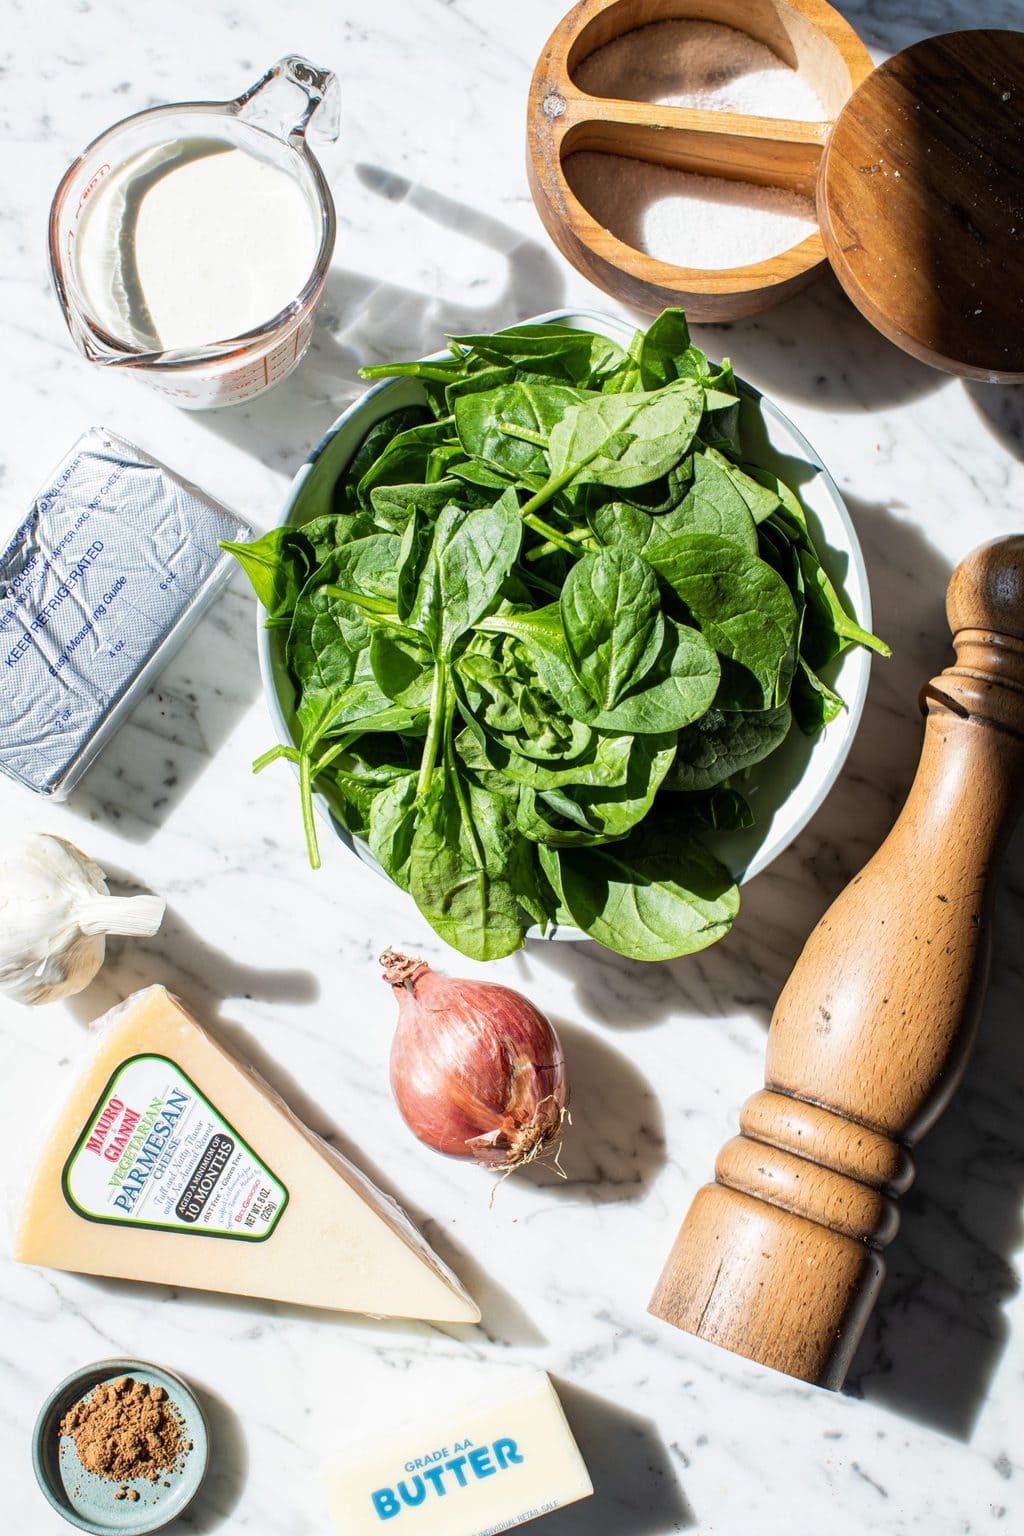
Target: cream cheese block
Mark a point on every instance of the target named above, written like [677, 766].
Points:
[467, 1470]
[173, 1161]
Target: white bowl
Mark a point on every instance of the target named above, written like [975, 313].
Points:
[784, 791]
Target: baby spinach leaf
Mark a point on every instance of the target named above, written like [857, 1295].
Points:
[509, 427]
[377, 439]
[470, 556]
[393, 504]
[679, 687]
[718, 810]
[278, 566]
[828, 628]
[506, 696]
[391, 827]
[459, 870]
[743, 608]
[611, 618]
[421, 453]
[402, 667]
[605, 762]
[654, 896]
[624, 440]
[723, 743]
[559, 351]
[603, 811]
[815, 704]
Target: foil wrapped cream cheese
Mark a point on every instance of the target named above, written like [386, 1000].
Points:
[99, 585]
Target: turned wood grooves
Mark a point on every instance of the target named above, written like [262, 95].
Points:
[562, 119]
[779, 1259]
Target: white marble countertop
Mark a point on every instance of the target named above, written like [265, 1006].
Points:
[437, 232]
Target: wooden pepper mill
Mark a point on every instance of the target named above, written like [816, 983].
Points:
[779, 1259]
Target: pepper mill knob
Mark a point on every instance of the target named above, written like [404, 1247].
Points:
[986, 591]
[780, 1258]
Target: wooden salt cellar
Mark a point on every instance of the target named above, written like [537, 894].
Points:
[779, 1259]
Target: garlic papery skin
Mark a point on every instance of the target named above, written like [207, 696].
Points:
[55, 913]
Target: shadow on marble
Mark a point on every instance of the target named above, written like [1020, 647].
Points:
[936, 1337]
[180, 724]
[1001, 408]
[856, 370]
[363, 320]
[182, 960]
[229, 1465]
[615, 1146]
[636, 1492]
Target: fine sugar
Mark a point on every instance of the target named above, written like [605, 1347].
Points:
[687, 220]
[675, 216]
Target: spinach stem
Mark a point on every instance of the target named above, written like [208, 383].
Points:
[309, 825]
[525, 434]
[272, 756]
[462, 800]
[546, 531]
[435, 728]
[341, 745]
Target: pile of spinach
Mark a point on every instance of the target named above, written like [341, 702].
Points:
[550, 622]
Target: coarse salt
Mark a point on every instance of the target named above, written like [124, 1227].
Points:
[675, 216]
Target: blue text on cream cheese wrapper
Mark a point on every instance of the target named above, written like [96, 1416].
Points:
[98, 585]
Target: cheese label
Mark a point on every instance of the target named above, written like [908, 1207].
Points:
[156, 1153]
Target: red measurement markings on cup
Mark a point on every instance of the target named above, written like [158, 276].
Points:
[91, 186]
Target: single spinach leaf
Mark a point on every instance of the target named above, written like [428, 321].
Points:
[559, 351]
[402, 666]
[601, 811]
[377, 439]
[654, 896]
[611, 617]
[815, 704]
[278, 566]
[471, 555]
[679, 688]
[723, 743]
[744, 609]
[393, 504]
[509, 427]
[391, 827]
[458, 870]
[422, 453]
[624, 440]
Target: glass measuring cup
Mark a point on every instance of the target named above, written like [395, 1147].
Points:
[269, 121]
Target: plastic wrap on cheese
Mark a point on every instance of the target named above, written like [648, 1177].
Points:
[98, 586]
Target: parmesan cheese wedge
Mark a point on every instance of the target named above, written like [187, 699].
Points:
[174, 1162]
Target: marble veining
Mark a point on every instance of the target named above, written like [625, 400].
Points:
[437, 232]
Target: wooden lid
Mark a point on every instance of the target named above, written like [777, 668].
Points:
[921, 202]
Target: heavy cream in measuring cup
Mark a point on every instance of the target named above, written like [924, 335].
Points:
[194, 242]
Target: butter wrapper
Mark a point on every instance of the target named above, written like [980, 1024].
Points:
[99, 585]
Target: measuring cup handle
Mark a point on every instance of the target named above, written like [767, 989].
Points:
[284, 100]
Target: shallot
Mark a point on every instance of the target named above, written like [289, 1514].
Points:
[476, 1070]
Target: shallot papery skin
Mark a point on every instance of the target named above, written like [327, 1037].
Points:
[476, 1070]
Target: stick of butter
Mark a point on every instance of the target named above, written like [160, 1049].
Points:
[467, 1472]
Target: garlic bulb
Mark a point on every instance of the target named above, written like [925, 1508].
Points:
[55, 913]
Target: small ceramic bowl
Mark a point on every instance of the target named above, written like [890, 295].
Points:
[785, 791]
[89, 1502]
